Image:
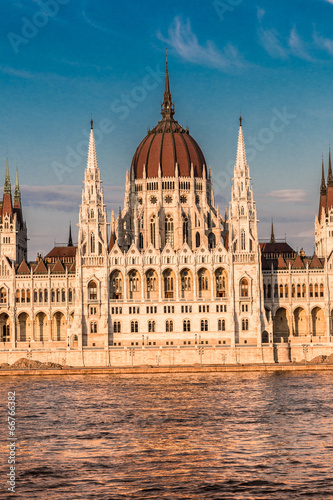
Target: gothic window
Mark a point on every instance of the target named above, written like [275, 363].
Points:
[203, 281]
[168, 282]
[186, 325]
[151, 326]
[316, 290]
[151, 282]
[197, 240]
[141, 241]
[185, 280]
[221, 325]
[134, 282]
[134, 327]
[220, 277]
[242, 239]
[169, 326]
[311, 290]
[92, 243]
[35, 296]
[46, 296]
[265, 291]
[211, 241]
[63, 295]
[92, 214]
[40, 295]
[153, 231]
[204, 325]
[242, 210]
[322, 290]
[244, 288]
[52, 295]
[116, 327]
[58, 295]
[93, 327]
[92, 291]
[70, 295]
[23, 296]
[303, 291]
[169, 230]
[269, 291]
[275, 291]
[281, 291]
[245, 324]
[293, 291]
[286, 291]
[185, 229]
[18, 296]
[298, 290]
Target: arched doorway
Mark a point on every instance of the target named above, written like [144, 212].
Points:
[5, 329]
[41, 332]
[280, 325]
[22, 327]
[300, 322]
[317, 322]
[59, 326]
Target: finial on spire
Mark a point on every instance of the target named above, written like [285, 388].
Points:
[272, 233]
[91, 122]
[17, 192]
[240, 120]
[323, 185]
[330, 175]
[7, 185]
[167, 108]
[70, 241]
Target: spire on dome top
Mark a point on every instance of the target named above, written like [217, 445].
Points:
[167, 107]
[323, 185]
[272, 233]
[70, 240]
[329, 176]
[240, 120]
[17, 192]
[91, 123]
[7, 185]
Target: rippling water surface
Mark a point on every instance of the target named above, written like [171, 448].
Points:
[174, 436]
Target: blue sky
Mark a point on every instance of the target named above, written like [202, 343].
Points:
[62, 60]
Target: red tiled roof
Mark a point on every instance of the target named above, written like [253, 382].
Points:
[276, 248]
[315, 262]
[40, 268]
[281, 264]
[298, 263]
[58, 268]
[23, 268]
[59, 252]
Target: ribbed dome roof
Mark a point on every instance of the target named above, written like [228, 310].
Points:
[167, 144]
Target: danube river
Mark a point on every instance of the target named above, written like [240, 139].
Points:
[172, 436]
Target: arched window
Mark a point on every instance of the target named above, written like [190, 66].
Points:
[269, 291]
[244, 288]
[151, 282]
[316, 290]
[63, 295]
[281, 291]
[153, 230]
[242, 239]
[116, 327]
[298, 290]
[293, 291]
[197, 240]
[134, 282]
[211, 241]
[35, 296]
[92, 291]
[245, 324]
[275, 291]
[221, 325]
[70, 295]
[93, 327]
[186, 325]
[18, 296]
[204, 325]
[169, 326]
[185, 229]
[286, 291]
[23, 295]
[203, 281]
[52, 295]
[185, 281]
[141, 241]
[134, 327]
[58, 295]
[46, 296]
[242, 210]
[311, 290]
[321, 290]
[40, 295]
[92, 243]
[151, 326]
[303, 290]
[169, 230]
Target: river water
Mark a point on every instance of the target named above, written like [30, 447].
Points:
[172, 436]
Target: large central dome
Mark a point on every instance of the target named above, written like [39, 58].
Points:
[167, 145]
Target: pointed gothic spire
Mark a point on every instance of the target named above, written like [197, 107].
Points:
[17, 192]
[167, 108]
[92, 158]
[323, 185]
[329, 176]
[7, 185]
[70, 240]
[241, 154]
[272, 233]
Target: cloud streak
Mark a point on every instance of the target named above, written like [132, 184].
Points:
[288, 195]
[187, 46]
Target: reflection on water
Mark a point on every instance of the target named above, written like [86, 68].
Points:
[178, 436]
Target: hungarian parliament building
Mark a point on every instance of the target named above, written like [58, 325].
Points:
[170, 273]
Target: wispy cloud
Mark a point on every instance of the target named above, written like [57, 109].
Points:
[288, 195]
[272, 43]
[329, 1]
[323, 43]
[260, 14]
[297, 46]
[186, 44]
[66, 198]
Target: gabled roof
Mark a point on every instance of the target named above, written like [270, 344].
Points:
[58, 268]
[281, 263]
[276, 248]
[298, 263]
[315, 262]
[23, 268]
[59, 252]
[40, 268]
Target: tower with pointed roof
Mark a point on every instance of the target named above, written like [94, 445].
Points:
[324, 219]
[92, 257]
[13, 229]
[244, 245]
